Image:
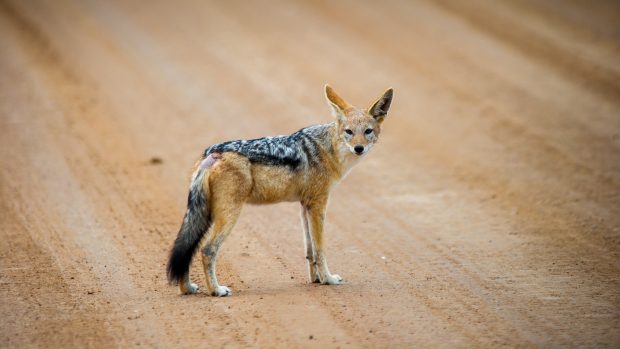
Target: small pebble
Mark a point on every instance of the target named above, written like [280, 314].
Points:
[156, 160]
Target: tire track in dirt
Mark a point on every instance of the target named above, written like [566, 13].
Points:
[42, 285]
[81, 230]
[555, 52]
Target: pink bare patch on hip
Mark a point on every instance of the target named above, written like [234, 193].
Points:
[210, 160]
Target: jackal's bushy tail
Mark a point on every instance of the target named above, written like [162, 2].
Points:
[196, 222]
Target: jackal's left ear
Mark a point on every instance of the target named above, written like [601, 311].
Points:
[380, 108]
[336, 103]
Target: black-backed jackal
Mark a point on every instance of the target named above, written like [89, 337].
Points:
[303, 166]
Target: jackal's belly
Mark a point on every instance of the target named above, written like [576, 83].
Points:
[272, 184]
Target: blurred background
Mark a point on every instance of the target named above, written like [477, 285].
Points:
[486, 216]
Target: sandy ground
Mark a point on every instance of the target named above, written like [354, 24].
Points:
[487, 216]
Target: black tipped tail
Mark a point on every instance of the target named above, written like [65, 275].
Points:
[196, 222]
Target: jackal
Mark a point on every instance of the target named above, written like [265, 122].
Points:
[303, 167]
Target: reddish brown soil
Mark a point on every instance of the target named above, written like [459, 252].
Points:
[488, 215]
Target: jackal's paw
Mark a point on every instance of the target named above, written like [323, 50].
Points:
[333, 280]
[192, 288]
[222, 291]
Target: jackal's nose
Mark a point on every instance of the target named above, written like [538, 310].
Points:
[358, 149]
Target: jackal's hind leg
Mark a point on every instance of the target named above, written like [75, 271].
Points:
[187, 286]
[230, 183]
[222, 226]
[310, 255]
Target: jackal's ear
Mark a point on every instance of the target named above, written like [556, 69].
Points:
[336, 103]
[380, 108]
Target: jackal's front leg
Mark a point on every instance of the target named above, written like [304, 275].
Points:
[316, 213]
[310, 254]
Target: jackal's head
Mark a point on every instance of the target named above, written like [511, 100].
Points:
[358, 129]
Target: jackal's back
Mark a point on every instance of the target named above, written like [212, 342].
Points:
[296, 151]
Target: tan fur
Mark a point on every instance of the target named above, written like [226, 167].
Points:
[233, 181]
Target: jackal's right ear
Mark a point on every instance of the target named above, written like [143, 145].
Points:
[336, 103]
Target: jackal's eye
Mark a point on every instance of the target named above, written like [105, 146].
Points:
[368, 131]
[348, 131]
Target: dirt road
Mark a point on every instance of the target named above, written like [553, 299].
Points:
[488, 215]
